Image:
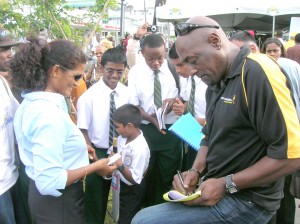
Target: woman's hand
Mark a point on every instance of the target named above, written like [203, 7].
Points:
[103, 169]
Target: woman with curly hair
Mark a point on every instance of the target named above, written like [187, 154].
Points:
[51, 147]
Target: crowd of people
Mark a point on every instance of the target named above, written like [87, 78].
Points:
[62, 115]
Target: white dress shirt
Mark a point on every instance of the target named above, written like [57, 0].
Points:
[135, 157]
[200, 102]
[93, 111]
[141, 87]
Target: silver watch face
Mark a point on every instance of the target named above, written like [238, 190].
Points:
[232, 189]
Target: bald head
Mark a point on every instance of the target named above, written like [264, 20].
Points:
[203, 44]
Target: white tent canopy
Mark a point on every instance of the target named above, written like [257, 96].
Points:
[232, 14]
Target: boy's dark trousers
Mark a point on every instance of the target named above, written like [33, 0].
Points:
[131, 197]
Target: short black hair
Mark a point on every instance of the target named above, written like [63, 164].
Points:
[243, 36]
[172, 52]
[153, 40]
[128, 113]
[114, 55]
[297, 38]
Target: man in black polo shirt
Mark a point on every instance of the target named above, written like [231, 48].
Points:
[251, 133]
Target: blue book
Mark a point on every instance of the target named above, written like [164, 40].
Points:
[189, 130]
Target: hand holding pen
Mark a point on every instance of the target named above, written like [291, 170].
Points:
[181, 181]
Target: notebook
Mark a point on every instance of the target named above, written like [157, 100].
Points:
[175, 196]
[189, 130]
[160, 115]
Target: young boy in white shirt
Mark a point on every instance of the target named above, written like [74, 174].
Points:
[134, 161]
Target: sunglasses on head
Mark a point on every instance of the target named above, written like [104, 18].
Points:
[77, 77]
[184, 28]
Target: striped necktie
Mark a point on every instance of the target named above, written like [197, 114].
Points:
[112, 109]
[157, 90]
[191, 102]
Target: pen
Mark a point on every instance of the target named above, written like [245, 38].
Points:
[181, 180]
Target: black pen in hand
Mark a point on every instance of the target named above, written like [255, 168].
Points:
[181, 181]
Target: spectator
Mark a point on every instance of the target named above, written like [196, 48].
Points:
[6, 54]
[294, 52]
[134, 162]
[95, 108]
[165, 147]
[274, 48]
[94, 72]
[243, 156]
[243, 38]
[193, 101]
[51, 147]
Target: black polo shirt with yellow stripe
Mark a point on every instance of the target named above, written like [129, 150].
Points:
[248, 117]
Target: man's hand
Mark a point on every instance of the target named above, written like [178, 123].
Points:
[190, 180]
[178, 107]
[142, 30]
[212, 191]
[170, 103]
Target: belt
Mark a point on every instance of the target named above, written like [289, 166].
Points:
[102, 149]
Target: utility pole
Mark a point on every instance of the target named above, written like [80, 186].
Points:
[122, 24]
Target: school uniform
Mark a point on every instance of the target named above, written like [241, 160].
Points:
[199, 112]
[166, 149]
[93, 115]
[135, 157]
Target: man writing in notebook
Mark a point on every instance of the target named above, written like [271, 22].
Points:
[251, 133]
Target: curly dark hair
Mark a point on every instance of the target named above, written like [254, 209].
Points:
[30, 65]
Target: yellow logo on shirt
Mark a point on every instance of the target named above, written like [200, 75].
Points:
[229, 100]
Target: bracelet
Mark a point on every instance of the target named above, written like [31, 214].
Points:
[197, 171]
[84, 178]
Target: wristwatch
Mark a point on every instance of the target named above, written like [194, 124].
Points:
[121, 168]
[230, 185]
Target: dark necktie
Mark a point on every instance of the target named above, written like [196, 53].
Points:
[112, 109]
[191, 101]
[157, 90]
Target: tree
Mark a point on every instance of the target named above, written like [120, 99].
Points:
[28, 17]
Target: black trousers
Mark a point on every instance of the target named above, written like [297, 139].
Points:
[96, 194]
[166, 157]
[130, 201]
[68, 208]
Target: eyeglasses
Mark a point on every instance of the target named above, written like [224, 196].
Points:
[77, 77]
[111, 72]
[184, 28]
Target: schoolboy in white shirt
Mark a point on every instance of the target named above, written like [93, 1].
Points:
[134, 161]
[93, 119]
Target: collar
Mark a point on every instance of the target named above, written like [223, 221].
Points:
[108, 90]
[132, 144]
[235, 69]
[238, 63]
[55, 98]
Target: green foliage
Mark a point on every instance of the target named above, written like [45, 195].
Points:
[28, 17]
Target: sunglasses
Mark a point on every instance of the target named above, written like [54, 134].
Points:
[77, 77]
[184, 28]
